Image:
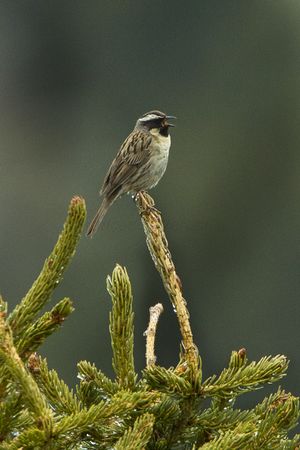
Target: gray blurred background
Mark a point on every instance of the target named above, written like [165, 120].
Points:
[74, 77]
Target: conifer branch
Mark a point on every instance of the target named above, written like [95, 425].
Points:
[123, 404]
[43, 327]
[12, 414]
[167, 381]
[235, 381]
[60, 398]
[103, 420]
[276, 415]
[238, 359]
[94, 385]
[282, 408]
[211, 419]
[158, 247]
[30, 439]
[52, 271]
[33, 398]
[137, 437]
[150, 333]
[121, 327]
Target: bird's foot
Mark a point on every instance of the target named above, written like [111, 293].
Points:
[145, 202]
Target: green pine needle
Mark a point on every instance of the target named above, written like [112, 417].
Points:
[237, 380]
[32, 396]
[138, 436]
[121, 327]
[166, 380]
[61, 399]
[94, 385]
[43, 327]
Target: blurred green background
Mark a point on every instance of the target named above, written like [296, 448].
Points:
[74, 78]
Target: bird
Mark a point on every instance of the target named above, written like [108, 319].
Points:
[140, 162]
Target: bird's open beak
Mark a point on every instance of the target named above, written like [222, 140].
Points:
[171, 117]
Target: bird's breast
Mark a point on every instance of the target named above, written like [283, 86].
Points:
[161, 146]
[158, 159]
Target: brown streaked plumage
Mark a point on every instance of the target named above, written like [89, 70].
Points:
[139, 164]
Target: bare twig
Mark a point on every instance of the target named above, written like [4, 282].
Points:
[150, 333]
[158, 246]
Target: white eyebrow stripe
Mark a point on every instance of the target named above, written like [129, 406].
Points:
[150, 117]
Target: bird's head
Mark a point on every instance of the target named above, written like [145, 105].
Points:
[156, 122]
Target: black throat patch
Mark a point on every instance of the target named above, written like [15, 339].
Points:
[164, 131]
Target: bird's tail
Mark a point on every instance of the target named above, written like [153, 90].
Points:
[99, 217]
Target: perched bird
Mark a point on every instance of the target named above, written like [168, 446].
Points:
[139, 164]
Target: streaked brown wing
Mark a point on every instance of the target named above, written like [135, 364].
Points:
[136, 147]
[134, 150]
